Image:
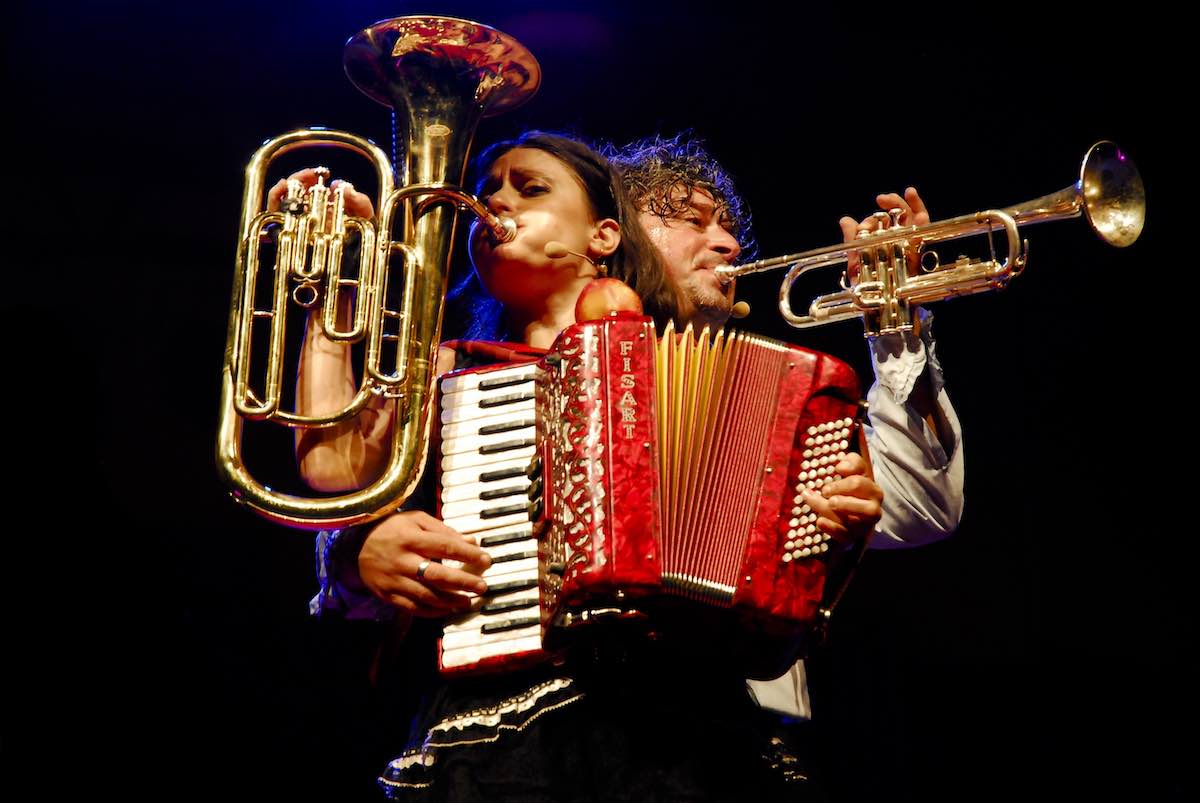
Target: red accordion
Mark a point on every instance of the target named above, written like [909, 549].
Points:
[626, 479]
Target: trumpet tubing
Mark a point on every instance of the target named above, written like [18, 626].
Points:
[1109, 193]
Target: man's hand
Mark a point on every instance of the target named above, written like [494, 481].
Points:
[913, 213]
[357, 204]
[848, 509]
[391, 557]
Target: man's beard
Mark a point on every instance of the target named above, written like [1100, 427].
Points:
[709, 305]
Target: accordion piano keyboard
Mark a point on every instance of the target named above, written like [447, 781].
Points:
[490, 489]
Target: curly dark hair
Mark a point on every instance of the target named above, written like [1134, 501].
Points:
[656, 168]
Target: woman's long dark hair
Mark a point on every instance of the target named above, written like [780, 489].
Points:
[636, 261]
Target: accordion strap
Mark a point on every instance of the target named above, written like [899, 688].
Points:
[486, 352]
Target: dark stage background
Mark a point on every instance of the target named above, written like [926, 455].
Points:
[159, 640]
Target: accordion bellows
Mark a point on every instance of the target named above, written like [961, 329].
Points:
[661, 483]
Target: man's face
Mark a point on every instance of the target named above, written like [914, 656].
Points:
[693, 243]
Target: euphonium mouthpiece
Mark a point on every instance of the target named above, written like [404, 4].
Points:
[503, 229]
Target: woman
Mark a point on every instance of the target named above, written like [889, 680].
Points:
[557, 190]
[645, 722]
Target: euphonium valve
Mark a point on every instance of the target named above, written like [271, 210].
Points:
[440, 76]
[1109, 194]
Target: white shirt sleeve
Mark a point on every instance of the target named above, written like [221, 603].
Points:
[922, 482]
[787, 694]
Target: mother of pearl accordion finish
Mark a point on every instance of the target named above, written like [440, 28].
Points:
[626, 479]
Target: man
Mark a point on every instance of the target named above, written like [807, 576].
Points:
[693, 216]
[692, 213]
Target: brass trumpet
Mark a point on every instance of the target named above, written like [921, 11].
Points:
[1109, 193]
[441, 76]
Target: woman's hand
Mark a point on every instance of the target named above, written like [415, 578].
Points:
[400, 563]
[356, 203]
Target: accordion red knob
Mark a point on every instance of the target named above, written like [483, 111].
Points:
[601, 297]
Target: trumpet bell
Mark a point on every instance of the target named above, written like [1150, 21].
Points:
[1114, 198]
[1109, 194]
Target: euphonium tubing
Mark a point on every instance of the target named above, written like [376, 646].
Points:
[441, 76]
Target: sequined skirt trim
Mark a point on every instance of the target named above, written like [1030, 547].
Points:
[414, 769]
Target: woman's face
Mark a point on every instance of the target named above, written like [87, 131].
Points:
[547, 202]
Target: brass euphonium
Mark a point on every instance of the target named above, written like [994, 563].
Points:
[1109, 193]
[441, 76]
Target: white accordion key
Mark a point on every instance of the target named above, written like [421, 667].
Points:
[506, 535]
[529, 640]
[505, 494]
[494, 445]
[518, 482]
[495, 609]
[523, 449]
[512, 467]
[473, 396]
[486, 429]
[489, 380]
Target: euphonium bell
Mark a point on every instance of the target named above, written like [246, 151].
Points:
[440, 76]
